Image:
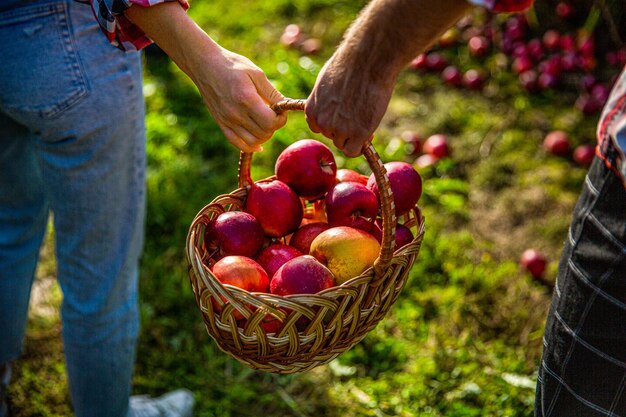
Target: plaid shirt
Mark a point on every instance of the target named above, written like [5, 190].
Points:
[120, 31]
[612, 128]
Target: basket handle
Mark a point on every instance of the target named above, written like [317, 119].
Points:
[380, 174]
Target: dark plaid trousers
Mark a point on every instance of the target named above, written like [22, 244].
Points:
[583, 369]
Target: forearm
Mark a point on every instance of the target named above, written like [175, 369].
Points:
[389, 33]
[236, 92]
[176, 34]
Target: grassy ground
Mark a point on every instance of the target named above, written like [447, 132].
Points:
[464, 338]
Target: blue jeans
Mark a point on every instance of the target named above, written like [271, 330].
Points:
[583, 369]
[72, 142]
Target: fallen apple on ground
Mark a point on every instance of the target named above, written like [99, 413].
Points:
[584, 154]
[534, 262]
[437, 146]
[557, 143]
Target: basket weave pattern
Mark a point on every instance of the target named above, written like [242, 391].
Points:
[314, 329]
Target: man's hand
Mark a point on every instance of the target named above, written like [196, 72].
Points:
[346, 106]
[236, 92]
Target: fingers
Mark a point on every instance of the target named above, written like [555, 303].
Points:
[353, 148]
[235, 139]
[251, 121]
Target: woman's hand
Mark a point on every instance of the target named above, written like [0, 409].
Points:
[238, 95]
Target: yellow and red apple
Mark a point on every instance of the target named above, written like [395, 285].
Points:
[346, 251]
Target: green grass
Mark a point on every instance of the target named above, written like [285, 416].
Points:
[463, 339]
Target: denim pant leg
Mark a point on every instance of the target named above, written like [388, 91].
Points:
[82, 100]
[23, 219]
[583, 369]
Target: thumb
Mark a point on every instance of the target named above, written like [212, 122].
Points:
[266, 90]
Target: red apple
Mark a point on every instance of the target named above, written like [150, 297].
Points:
[529, 80]
[351, 204]
[587, 45]
[301, 275]
[436, 61]
[292, 35]
[242, 272]
[478, 46]
[418, 63]
[275, 255]
[600, 93]
[564, 10]
[404, 235]
[276, 206]
[588, 104]
[587, 63]
[534, 262]
[567, 43]
[515, 26]
[551, 65]
[551, 39]
[547, 80]
[522, 64]
[473, 80]
[234, 233]
[413, 141]
[311, 46]
[557, 143]
[535, 49]
[350, 175]
[584, 154]
[437, 146]
[271, 324]
[451, 75]
[568, 62]
[308, 166]
[406, 185]
[302, 238]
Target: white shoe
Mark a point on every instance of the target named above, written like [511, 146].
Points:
[177, 403]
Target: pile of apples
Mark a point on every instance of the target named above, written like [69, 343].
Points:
[557, 143]
[542, 59]
[309, 228]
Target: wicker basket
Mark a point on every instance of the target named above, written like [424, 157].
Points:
[317, 328]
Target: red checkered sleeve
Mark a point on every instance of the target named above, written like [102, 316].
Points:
[120, 31]
[504, 6]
